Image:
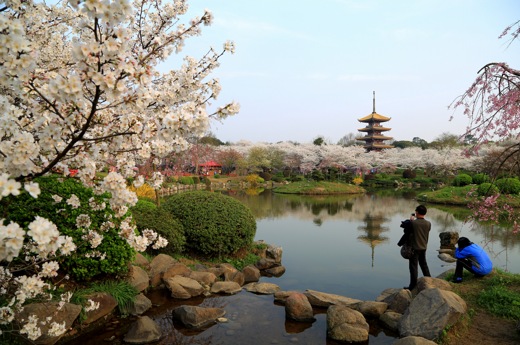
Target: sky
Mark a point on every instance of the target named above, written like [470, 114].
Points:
[307, 68]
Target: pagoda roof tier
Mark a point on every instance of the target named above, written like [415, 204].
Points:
[374, 128]
[375, 137]
[378, 146]
[374, 117]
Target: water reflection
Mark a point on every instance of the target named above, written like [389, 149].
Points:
[373, 230]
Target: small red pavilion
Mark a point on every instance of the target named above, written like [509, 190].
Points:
[210, 168]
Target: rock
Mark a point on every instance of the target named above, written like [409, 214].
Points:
[260, 242]
[276, 271]
[141, 305]
[112, 338]
[399, 301]
[226, 287]
[107, 303]
[162, 261]
[386, 293]
[264, 264]
[172, 271]
[141, 260]
[447, 251]
[298, 308]
[414, 341]
[444, 274]
[202, 277]
[143, 331]
[178, 292]
[200, 268]
[281, 296]
[67, 314]
[218, 272]
[237, 277]
[447, 258]
[160, 264]
[226, 268]
[139, 278]
[293, 340]
[262, 288]
[274, 252]
[369, 309]
[222, 319]
[426, 283]
[191, 286]
[251, 274]
[321, 299]
[197, 317]
[430, 312]
[346, 325]
[390, 320]
[449, 239]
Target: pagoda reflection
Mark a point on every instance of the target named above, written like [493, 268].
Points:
[373, 229]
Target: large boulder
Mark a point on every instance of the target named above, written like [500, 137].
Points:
[369, 309]
[251, 274]
[143, 331]
[159, 265]
[197, 317]
[262, 288]
[346, 325]
[449, 238]
[226, 287]
[183, 288]
[138, 278]
[162, 261]
[414, 341]
[426, 283]
[141, 305]
[226, 267]
[67, 314]
[178, 292]
[298, 308]
[386, 293]
[218, 272]
[264, 264]
[202, 277]
[321, 299]
[172, 271]
[142, 261]
[390, 320]
[430, 312]
[237, 277]
[281, 296]
[399, 301]
[276, 271]
[107, 304]
[274, 252]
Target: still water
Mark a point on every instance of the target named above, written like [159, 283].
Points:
[344, 245]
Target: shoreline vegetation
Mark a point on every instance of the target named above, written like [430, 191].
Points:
[318, 188]
[459, 196]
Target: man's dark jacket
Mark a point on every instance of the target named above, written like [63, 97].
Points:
[420, 231]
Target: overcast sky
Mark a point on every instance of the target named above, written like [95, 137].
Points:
[306, 68]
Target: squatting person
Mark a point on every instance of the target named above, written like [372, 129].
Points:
[471, 257]
[419, 242]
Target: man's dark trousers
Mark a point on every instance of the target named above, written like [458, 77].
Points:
[418, 255]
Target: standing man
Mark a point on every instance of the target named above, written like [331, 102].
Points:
[419, 242]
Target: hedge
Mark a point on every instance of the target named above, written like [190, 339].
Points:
[481, 178]
[487, 189]
[508, 186]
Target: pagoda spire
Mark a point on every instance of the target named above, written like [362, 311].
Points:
[374, 111]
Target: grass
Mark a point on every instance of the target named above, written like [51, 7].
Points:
[239, 264]
[122, 291]
[305, 187]
[458, 195]
[458, 329]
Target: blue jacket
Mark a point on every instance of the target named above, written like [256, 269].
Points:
[481, 263]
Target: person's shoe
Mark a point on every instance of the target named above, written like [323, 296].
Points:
[456, 280]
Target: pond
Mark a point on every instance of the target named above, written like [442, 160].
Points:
[344, 245]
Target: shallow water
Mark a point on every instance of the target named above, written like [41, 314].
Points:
[345, 245]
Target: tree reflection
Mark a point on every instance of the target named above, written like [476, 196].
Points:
[373, 231]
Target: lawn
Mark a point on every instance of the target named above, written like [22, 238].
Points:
[305, 187]
[459, 196]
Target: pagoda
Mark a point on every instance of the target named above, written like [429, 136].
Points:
[374, 139]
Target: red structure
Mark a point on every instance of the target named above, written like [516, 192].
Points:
[374, 138]
[210, 168]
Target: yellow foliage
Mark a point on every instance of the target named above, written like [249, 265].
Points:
[252, 178]
[357, 180]
[145, 191]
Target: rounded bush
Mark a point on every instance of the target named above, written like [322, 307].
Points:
[266, 176]
[195, 180]
[409, 174]
[509, 186]
[277, 179]
[487, 189]
[216, 176]
[213, 223]
[186, 180]
[279, 174]
[260, 180]
[286, 173]
[462, 180]
[147, 216]
[207, 181]
[481, 178]
[118, 251]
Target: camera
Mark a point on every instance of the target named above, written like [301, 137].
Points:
[413, 214]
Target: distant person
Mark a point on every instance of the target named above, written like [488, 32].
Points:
[471, 257]
[419, 242]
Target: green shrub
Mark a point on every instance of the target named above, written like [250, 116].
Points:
[462, 180]
[260, 180]
[162, 222]
[509, 186]
[216, 176]
[383, 175]
[207, 181]
[487, 189]
[187, 180]
[118, 251]
[277, 179]
[195, 180]
[297, 178]
[213, 223]
[481, 178]
[279, 174]
[287, 173]
[409, 174]
[266, 176]
[317, 175]
[370, 177]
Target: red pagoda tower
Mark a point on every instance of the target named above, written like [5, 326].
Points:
[374, 139]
